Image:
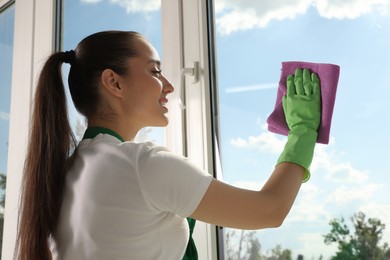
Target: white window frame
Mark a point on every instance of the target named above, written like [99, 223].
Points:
[184, 42]
[33, 42]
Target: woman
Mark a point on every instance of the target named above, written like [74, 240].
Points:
[111, 198]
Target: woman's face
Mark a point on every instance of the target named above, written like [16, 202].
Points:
[145, 88]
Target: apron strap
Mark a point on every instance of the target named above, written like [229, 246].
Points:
[191, 252]
[92, 132]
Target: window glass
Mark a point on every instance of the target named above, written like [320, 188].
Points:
[350, 174]
[6, 49]
[84, 17]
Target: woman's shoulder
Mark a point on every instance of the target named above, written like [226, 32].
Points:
[111, 145]
[145, 146]
[143, 150]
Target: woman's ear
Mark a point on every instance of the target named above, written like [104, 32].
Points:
[110, 82]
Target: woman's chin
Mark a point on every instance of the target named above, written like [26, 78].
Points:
[164, 121]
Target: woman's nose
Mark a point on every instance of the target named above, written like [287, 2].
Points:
[167, 86]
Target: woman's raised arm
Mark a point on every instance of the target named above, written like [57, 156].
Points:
[225, 205]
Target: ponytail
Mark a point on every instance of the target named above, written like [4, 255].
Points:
[48, 156]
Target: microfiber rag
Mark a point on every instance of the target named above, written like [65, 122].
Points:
[329, 77]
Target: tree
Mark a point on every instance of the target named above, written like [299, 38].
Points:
[246, 240]
[246, 246]
[3, 181]
[364, 243]
[254, 247]
[278, 253]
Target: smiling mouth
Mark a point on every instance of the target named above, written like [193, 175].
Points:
[163, 101]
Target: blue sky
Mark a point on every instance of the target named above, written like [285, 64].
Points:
[253, 38]
[6, 41]
[348, 175]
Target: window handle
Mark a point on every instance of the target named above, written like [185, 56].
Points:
[194, 71]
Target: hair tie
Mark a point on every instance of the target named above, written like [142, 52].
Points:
[69, 56]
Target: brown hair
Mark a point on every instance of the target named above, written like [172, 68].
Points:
[51, 139]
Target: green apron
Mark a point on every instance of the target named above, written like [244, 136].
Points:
[191, 252]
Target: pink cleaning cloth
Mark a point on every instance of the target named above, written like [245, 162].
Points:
[329, 77]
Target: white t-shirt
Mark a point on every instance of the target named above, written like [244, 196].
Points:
[125, 200]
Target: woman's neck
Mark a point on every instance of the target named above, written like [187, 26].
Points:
[122, 128]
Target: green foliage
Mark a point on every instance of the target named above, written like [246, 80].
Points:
[358, 240]
[254, 247]
[363, 244]
[3, 181]
[278, 253]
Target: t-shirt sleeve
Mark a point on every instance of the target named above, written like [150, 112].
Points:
[170, 182]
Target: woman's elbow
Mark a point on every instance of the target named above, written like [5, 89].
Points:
[277, 222]
[264, 222]
[276, 216]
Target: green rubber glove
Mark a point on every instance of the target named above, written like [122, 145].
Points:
[302, 109]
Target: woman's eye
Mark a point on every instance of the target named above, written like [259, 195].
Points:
[157, 72]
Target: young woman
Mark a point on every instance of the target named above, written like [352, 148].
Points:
[111, 198]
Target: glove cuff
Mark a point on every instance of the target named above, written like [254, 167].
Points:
[299, 149]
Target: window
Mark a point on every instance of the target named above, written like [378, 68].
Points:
[168, 35]
[36, 23]
[6, 49]
[348, 175]
[251, 40]
[82, 18]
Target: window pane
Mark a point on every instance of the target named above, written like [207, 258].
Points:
[83, 17]
[350, 174]
[6, 49]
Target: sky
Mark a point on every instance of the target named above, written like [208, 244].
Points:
[351, 173]
[6, 40]
[348, 175]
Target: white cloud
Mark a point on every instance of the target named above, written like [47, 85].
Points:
[132, 6]
[376, 210]
[4, 115]
[328, 161]
[232, 16]
[337, 189]
[91, 1]
[308, 212]
[325, 159]
[251, 87]
[265, 142]
[350, 9]
[344, 195]
[307, 207]
[328, 164]
[247, 14]
[313, 244]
